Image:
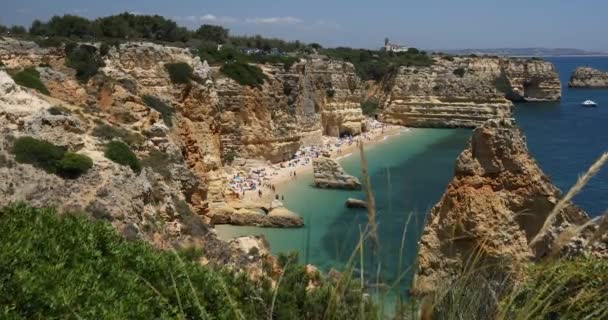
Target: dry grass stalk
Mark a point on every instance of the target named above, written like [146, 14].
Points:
[371, 201]
[582, 181]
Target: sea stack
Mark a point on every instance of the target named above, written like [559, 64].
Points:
[496, 204]
[329, 174]
[585, 77]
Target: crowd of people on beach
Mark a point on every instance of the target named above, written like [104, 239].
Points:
[260, 178]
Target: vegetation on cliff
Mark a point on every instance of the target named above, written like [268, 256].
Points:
[376, 64]
[163, 108]
[51, 158]
[30, 78]
[67, 266]
[84, 59]
[244, 74]
[120, 153]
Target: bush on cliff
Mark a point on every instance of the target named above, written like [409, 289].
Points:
[180, 72]
[85, 60]
[67, 266]
[120, 153]
[460, 72]
[164, 109]
[30, 78]
[51, 158]
[108, 132]
[370, 106]
[244, 73]
[40, 153]
[73, 165]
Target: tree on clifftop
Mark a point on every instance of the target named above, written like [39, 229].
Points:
[212, 33]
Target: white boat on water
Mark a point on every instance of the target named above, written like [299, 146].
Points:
[589, 103]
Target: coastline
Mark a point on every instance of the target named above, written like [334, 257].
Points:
[277, 176]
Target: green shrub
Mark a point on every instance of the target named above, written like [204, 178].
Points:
[59, 110]
[180, 72]
[30, 78]
[40, 153]
[120, 153]
[85, 60]
[72, 165]
[164, 109]
[160, 162]
[244, 73]
[370, 106]
[51, 158]
[108, 132]
[459, 72]
[67, 266]
[330, 92]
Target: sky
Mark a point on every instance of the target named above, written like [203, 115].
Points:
[426, 24]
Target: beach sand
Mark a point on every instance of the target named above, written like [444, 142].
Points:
[280, 174]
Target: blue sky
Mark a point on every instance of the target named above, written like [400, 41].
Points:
[429, 24]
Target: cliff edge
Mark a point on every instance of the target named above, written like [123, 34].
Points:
[496, 203]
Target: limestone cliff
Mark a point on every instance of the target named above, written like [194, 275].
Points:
[336, 95]
[151, 205]
[496, 203]
[465, 92]
[585, 77]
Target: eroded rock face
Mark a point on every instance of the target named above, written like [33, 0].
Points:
[496, 203]
[329, 174]
[336, 95]
[146, 205]
[585, 77]
[465, 92]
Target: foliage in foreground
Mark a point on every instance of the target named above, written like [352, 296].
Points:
[51, 158]
[559, 289]
[58, 267]
[30, 78]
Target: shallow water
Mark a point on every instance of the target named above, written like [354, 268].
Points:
[410, 172]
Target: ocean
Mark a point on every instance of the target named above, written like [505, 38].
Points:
[410, 172]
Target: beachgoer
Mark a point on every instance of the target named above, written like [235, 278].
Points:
[282, 198]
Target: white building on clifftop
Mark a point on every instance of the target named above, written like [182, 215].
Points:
[393, 47]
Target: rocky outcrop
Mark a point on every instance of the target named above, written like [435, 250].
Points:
[329, 174]
[465, 92]
[151, 205]
[267, 215]
[355, 203]
[585, 77]
[336, 95]
[497, 202]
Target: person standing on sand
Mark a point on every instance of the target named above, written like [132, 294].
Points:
[260, 193]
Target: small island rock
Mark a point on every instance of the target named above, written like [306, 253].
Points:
[585, 77]
[329, 174]
[355, 203]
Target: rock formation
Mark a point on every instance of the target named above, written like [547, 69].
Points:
[496, 203]
[355, 203]
[329, 174]
[465, 92]
[585, 77]
[147, 205]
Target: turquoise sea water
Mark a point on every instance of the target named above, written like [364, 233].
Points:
[410, 172]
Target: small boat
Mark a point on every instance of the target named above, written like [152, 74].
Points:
[589, 103]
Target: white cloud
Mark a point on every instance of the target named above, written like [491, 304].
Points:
[274, 20]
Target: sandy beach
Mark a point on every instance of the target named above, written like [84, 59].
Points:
[271, 178]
